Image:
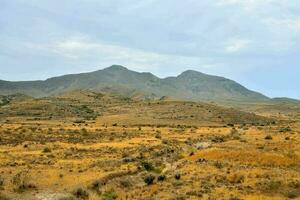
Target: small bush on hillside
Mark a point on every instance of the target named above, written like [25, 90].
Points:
[95, 185]
[1, 182]
[218, 165]
[293, 194]
[194, 193]
[109, 195]
[177, 183]
[286, 129]
[234, 198]
[161, 178]
[287, 138]
[294, 184]
[147, 166]
[269, 185]
[81, 193]
[46, 150]
[158, 136]
[79, 121]
[218, 139]
[268, 137]
[177, 176]
[126, 183]
[21, 182]
[149, 179]
[66, 198]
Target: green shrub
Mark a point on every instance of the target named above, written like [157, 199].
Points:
[80, 193]
[286, 129]
[269, 185]
[66, 198]
[147, 166]
[149, 179]
[109, 195]
[46, 150]
[96, 184]
[161, 178]
[21, 182]
[126, 183]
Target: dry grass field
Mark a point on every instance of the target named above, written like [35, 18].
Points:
[89, 146]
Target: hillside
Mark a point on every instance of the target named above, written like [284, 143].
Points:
[84, 105]
[84, 145]
[190, 85]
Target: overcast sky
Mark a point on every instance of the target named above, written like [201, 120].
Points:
[254, 42]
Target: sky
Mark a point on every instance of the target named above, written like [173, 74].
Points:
[254, 42]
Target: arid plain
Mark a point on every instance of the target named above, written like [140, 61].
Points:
[87, 145]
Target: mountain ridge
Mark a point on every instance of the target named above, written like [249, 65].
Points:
[189, 85]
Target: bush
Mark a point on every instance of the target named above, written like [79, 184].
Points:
[268, 137]
[177, 176]
[149, 179]
[81, 193]
[286, 129]
[194, 193]
[79, 121]
[161, 178]
[269, 185]
[158, 136]
[96, 184]
[218, 139]
[293, 194]
[110, 195]
[46, 150]
[294, 184]
[147, 166]
[218, 165]
[21, 182]
[126, 183]
[177, 183]
[66, 198]
[1, 181]
[234, 198]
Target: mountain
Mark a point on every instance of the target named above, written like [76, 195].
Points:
[190, 85]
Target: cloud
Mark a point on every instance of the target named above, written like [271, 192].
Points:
[79, 49]
[237, 45]
[290, 24]
[244, 3]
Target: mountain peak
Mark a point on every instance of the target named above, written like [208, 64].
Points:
[116, 67]
[189, 73]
